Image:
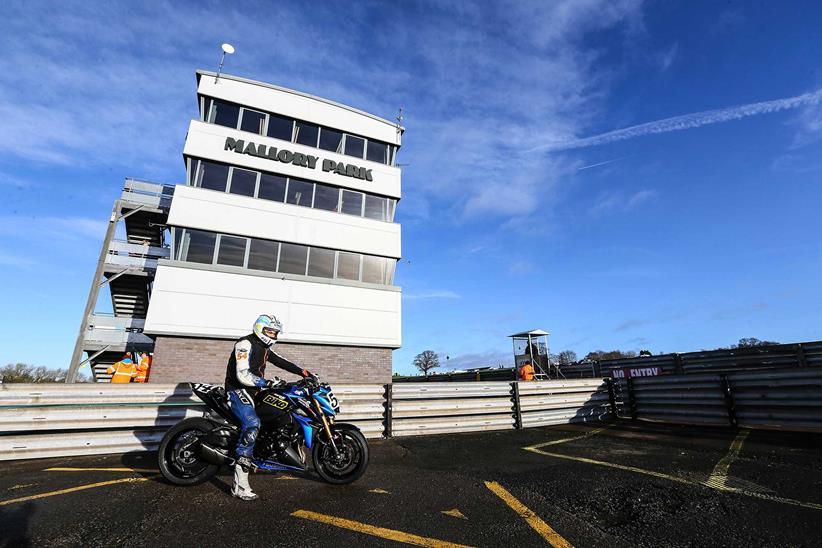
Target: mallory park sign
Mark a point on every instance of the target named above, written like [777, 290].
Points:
[296, 158]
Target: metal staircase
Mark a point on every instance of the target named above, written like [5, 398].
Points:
[127, 267]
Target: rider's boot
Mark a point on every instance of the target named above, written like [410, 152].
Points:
[241, 488]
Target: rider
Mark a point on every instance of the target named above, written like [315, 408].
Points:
[244, 376]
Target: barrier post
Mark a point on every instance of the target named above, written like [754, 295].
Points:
[729, 399]
[800, 356]
[631, 397]
[388, 413]
[678, 369]
[611, 397]
[517, 409]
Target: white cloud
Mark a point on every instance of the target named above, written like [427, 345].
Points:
[15, 260]
[108, 85]
[54, 228]
[617, 201]
[434, 294]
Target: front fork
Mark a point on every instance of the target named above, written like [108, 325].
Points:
[326, 427]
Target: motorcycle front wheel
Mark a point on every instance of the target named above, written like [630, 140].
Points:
[351, 459]
[179, 454]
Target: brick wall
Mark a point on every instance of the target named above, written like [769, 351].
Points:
[181, 359]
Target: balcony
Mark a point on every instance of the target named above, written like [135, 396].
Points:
[135, 258]
[147, 194]
[111, 333]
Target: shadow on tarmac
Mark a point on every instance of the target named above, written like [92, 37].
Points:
[16, 521]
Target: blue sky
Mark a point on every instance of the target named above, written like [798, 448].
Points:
[523, 205]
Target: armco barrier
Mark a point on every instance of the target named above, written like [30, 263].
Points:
[39, 421]
[427, 408]
[557, 402]
[680, 398]
[54, 420]
[61, 420]
[788, 399]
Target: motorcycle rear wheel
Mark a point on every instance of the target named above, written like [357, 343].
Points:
[353, 459]
[179, 453]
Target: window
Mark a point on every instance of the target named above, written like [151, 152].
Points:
[373, 269]
[321, 262]
[262, 255]
[280, 127]
[377, 152]
[354, 146]
[351, 203]
[253, 121]
[307, 134]
[224, 114]
[326, 197]
[292, 258]
[272, 187]
[212, 176]
[330, 139]
[300, 192]
[376, 207]
[199, 246]
[348, 266]
[243, 182]
[232, 251]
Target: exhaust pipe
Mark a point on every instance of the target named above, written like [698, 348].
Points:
[214, 456]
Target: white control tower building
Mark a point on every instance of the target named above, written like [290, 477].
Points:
[287, 209]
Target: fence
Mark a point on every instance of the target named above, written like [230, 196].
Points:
[38, 421]
[806, 354]
[790, 399]
[775, 356]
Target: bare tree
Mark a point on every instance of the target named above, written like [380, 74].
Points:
[750, 342]
[426, 361]
[567, 357]
[23, 372]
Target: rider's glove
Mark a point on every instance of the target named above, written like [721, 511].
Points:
[274, 383]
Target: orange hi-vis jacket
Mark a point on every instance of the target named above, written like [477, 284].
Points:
[142, 368]
[526, 372]
[122, 371]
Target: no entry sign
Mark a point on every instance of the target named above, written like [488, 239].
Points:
[629, 372]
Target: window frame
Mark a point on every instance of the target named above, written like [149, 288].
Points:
[294, 134]
[264, 130]
[217, 250]
[231, 180]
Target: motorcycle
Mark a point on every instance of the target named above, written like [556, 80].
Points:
[293, 419]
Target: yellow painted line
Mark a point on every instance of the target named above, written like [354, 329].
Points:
[72, 490]
[552, 537]
[565, 440]
[726, 489]
[60, 469]
[719, 476]
[381, 532]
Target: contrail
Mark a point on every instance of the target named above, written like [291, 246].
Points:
[688, 121]
[605, 163]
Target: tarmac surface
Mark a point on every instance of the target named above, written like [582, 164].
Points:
[622, 484]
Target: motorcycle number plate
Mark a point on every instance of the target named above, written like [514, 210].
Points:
[275, 400]
[332, 399]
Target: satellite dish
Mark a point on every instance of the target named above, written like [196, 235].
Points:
[228, 48]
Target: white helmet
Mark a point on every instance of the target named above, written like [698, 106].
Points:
[266, 328]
